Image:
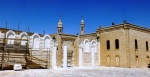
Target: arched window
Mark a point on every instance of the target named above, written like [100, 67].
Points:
[136, 44]
[86, 46]
[146, 45]
[93, 46]
[81, 27]
[24, 37]
[117, 43]
[108, 44]
[46, 42]
[11, 35]
[36, 41]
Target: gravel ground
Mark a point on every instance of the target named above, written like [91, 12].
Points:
[79, 72]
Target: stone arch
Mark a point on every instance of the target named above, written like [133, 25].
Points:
[36, 41]
[86, 45]
[108, 60]
[47, 41]
[10, 35]
[23, 37]
[117, 60]
[93, 42]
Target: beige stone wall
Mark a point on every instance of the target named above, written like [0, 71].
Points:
[141, 52]
[76, 53]
[113, 52]
[97, 59]
[90, 37]
[59, 52]
[41, 57]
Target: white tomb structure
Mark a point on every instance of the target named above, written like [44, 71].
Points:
[89, 53]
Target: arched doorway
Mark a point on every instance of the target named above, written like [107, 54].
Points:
[36, 41]
[108, 61]
[117, 61]
[24, 38]
[10, 35]
[46, 42]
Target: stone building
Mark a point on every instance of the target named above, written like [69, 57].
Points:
[121, 45]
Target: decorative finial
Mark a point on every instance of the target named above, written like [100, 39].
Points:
[60, 17]
[82, 19]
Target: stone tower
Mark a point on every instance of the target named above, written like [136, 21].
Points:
[82, 27]
[60, 26]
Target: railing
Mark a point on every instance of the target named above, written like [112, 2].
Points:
[9, 45]
[23, 47]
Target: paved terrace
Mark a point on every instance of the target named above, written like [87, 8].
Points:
[79, 72]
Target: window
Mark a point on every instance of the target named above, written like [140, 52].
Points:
[86, 47]
[108, 44]
[136, 45]
[117, 43]
[81, 27]
[146, 45]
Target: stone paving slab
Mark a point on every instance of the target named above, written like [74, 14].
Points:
[79, 72]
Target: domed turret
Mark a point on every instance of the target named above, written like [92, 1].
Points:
[82, 27]
[60, 26]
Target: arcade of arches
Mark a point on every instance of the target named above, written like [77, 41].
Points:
[121, 45]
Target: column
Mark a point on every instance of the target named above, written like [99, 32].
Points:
[93, 56]
[80, 56]
[65, 56]
[54, 57]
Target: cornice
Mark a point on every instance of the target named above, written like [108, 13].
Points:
[124, 26]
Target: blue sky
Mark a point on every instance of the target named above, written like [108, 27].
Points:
[43, 15]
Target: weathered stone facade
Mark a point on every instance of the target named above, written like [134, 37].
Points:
[122, 45]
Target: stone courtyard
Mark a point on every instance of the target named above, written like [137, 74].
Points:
[79, 72]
